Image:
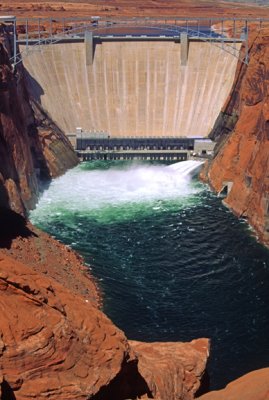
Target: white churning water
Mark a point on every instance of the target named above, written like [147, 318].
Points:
[118, 193]
[85, 190]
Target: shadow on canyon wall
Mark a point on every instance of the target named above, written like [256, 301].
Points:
[36, 89]
[128, 384]
[7, 391]
[204, 385]
[12, 225]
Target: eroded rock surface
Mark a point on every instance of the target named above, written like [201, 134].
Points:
[31, 146]
[252, 386]
[172, 370]
[18, 182]
[60, 346]
[36, 249]
[240, 169]
[122, 8]
[54, 345]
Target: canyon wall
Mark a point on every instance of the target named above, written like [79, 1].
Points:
[32, 147]
[240, 168]
[133, 88]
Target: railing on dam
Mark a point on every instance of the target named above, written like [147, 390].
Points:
[222, 32]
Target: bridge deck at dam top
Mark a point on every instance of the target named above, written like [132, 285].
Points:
[45, 31]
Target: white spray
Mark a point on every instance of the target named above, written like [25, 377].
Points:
[82, 190]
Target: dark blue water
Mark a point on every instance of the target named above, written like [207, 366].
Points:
[173, 263]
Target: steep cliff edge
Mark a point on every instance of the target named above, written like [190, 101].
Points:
[32, 147]
[240, 168]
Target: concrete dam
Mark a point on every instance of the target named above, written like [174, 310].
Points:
[133, 87]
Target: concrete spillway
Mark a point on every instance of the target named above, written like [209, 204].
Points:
[133, 88]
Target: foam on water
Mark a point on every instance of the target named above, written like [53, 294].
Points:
[81, 190]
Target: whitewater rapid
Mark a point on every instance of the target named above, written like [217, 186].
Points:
[82, 190]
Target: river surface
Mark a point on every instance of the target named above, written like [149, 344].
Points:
[173, 263]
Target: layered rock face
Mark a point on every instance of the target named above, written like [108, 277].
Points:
[52, 345]
[60, 346]
[55, 342]
[240, 168]
[36, 249]
[18, 182]
[172, 370]
[31, 146]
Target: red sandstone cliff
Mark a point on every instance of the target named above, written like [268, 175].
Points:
[171, 370]
[31, 146]
[241, 162]
[55, 343]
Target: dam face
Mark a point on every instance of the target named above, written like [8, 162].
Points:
[133, 88]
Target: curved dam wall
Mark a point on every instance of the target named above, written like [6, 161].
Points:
[133, 88]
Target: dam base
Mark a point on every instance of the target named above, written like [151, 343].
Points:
[88, 155]
[91, 147]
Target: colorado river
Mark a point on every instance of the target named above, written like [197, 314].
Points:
[173, 263]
